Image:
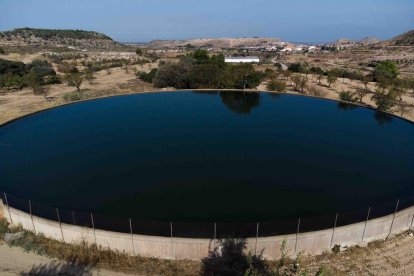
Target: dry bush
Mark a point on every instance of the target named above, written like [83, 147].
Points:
[316, 91]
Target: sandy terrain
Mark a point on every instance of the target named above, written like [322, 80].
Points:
[23, 102]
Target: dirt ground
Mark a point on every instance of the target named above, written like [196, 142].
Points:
[23, 102]
[15, 261]
[394, 256]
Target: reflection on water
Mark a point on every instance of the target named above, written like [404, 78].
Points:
[346, 106]
[240, 102]
[382, 118]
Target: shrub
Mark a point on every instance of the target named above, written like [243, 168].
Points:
[74, 79]
[11, 81]
[73, 96]
[147, 77]
[173, 75]
[316, 91]
[2, 52]
[12, 67]
[384, 101]
[41, 67]
[276, 85]
[347, 96]
[297, 67]
[386, 69]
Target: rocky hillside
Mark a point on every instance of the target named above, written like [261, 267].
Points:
[77, 39]
[215, 42]
[405, 39]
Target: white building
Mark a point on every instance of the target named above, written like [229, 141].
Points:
[251, 59]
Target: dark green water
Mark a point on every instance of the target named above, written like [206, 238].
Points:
[208, 157]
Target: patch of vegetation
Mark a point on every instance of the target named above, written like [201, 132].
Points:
[16, 75]
[385, 70]
[147, 77]
[199, 70]
[2, 52]
[276, 85]
[347, 96]
[50, 33]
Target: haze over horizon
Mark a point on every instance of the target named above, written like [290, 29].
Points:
[142, 21]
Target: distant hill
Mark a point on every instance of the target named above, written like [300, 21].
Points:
[215, 42]
[369, 40]
[364, 41]
[56, 38]
[405, 39]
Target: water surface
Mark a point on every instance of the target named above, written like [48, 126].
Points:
[216, 156]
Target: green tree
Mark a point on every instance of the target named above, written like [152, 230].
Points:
[299, 82]
[32, 80]
[297, 67]
[331, 79]
[75, 80]
[386, 69]
[201, 56]
[347, 96]
[147, 77]
[89, 76]
[276, 85]
[366, 80]
[384, 101]
[360, 93]
[173, 75]
[138, 51]
[205, 76]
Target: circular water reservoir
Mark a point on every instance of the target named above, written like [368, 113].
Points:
[208, 156]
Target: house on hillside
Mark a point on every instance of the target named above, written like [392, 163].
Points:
[250, 59]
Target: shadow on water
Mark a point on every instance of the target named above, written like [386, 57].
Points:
[346, 106]
[59, 268]
[240, 102]
[229, 259]
[382, 118]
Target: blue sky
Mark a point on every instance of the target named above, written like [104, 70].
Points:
[144, 20]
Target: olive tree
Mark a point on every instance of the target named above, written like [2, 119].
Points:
[74, 79]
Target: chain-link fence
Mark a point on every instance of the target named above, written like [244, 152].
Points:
[204, 230]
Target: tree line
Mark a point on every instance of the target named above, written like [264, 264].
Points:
[198, 70]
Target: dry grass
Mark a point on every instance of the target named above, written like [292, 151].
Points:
[83, 254]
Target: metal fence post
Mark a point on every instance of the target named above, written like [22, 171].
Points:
[297, 234]
[31, 215]
[257, 235]
[214, 236]
[412, 219]
[93, 226]
[366, 222]
[73, 218]
[8, 208]
[393, 217]
[333, 230]
[172, 242]
[60, 224]
[132, 236]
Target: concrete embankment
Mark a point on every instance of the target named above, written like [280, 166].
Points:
[195, 249]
